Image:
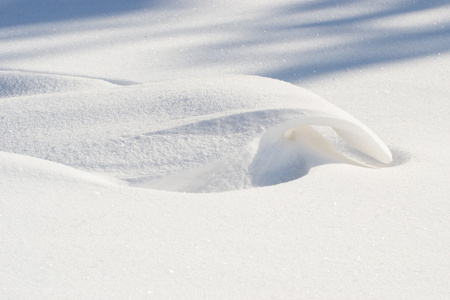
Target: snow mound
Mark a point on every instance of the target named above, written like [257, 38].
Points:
[193, 135]
[15, 168]
[19, 83]
[283, 153]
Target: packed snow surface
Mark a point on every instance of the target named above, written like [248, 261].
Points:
[222, 150]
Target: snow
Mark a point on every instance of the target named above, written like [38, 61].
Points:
[110, 112]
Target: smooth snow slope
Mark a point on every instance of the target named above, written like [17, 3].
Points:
[16, 83]
[97, 97]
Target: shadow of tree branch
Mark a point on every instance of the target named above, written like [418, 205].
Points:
[291, 42]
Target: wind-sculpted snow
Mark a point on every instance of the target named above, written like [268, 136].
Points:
[17, 83]
[196, 135]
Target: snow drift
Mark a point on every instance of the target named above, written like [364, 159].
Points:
[230, 132]
[74, 222]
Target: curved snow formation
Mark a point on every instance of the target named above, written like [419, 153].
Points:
[19, 83]
[192, 135]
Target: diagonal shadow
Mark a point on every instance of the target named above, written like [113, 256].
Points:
[25, 12]
[291, 42]
[373, 40]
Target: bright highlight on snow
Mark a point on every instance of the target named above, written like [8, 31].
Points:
[231, 132]
[210, 149]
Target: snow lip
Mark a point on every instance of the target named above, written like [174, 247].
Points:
[131, 132]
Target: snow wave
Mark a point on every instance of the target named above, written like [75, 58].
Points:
[283, 153]
[192, 135]
[25, 83]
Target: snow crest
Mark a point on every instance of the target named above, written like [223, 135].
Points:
[20, 83]
[192, 135]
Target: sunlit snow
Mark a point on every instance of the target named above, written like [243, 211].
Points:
[290, 149]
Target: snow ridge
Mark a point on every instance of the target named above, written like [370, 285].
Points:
[205, 135]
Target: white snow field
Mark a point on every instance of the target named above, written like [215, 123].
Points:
[224, 149]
